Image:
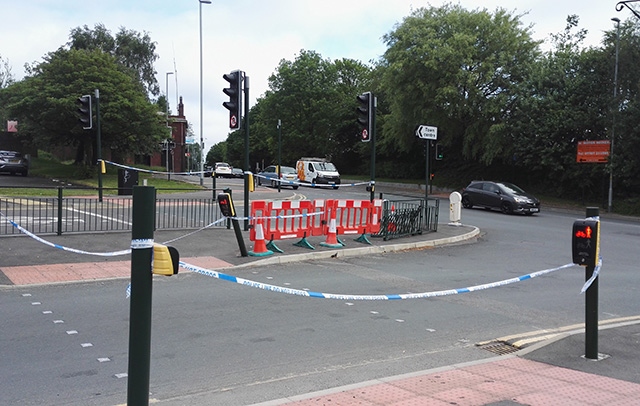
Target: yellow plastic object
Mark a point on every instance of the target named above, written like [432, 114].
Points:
[103, 168]
[252, 186]
[165, 260]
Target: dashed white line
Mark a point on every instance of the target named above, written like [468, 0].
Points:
[70, 332]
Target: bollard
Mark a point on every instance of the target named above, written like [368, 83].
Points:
[143, 222]
[454, 209]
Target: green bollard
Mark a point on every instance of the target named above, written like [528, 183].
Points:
[143, 223]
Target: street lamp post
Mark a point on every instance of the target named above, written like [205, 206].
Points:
[615, 112]
[200, 2]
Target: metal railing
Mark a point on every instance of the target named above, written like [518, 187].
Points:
[58, 215]
[407, 216]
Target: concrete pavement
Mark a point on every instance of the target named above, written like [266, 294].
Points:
[552, 372]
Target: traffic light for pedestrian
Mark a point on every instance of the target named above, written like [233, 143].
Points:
[585, 242]
[84, 110]
[439, 152]
[234, 91]
[226, 205]
[365, 115]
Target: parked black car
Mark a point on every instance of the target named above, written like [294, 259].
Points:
[507, 197]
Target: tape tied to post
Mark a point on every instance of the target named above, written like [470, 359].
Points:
[141, 243]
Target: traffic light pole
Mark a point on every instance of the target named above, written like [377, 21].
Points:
[591, 304]
[373, 147]
[99, 145]
[246, 153]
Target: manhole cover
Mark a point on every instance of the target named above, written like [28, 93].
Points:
[499, 348]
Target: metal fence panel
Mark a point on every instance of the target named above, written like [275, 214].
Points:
[50, 215]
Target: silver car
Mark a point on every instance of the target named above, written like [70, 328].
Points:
[13, 162]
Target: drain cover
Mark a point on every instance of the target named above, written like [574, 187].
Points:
[499, 348]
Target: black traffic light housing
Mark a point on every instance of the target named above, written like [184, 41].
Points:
[439, 152]
[585, 242]
[365, 115]
[226, 205]
[234, 91]
[84, 109]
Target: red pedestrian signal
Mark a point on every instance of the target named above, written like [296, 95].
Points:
[226, 205]
[585, 242]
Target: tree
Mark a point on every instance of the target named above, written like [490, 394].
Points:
[131, 49]
[6, 77]
[45, 103]
[459, 70]
[315, 99]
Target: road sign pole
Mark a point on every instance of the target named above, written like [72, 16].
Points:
[426, 179]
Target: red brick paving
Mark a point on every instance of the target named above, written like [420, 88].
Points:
[511, 379]
[41, 274]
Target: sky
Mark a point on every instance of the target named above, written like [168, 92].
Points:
[253, 36]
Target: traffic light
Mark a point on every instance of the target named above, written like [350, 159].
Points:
[365, 115]
[226, 205]
[585, 242]
[234, 91]
[86, 118]
[439, 152]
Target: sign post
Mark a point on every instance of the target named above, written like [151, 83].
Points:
[428, 133]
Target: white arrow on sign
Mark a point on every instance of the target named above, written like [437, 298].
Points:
[427, 132]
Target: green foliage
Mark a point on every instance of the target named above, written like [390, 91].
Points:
[458, 70]
[504, 110]
[45, 103]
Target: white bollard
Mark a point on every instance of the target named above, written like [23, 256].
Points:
[455, 204]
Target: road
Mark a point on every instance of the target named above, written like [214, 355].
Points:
[215, 342]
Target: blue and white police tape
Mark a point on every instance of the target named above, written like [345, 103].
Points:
[149, 170]
[305, 184]
[135, 244]
[75, 251]
[288, 216]
[593, 277]
[424, 295]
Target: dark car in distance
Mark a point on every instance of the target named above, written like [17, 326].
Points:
[237, 173]
[14, 163]
[504, 196]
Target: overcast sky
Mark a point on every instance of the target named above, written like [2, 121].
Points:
[253, 36]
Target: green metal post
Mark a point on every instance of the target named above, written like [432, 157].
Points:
[99, 145]
[591, 304]
[143, 221]
[279, 154]
[236, 229]
[373, 147]
[59, 232]
[246, 152]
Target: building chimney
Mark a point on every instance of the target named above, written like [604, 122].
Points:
[180, 108]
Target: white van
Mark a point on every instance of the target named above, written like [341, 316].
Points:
[318, 171]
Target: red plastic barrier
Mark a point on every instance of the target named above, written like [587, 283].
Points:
[355, 216]
[283, 219]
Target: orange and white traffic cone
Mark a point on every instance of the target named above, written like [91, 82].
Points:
[332, 237]
[259, 246]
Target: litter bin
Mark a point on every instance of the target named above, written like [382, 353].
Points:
[127, 179]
